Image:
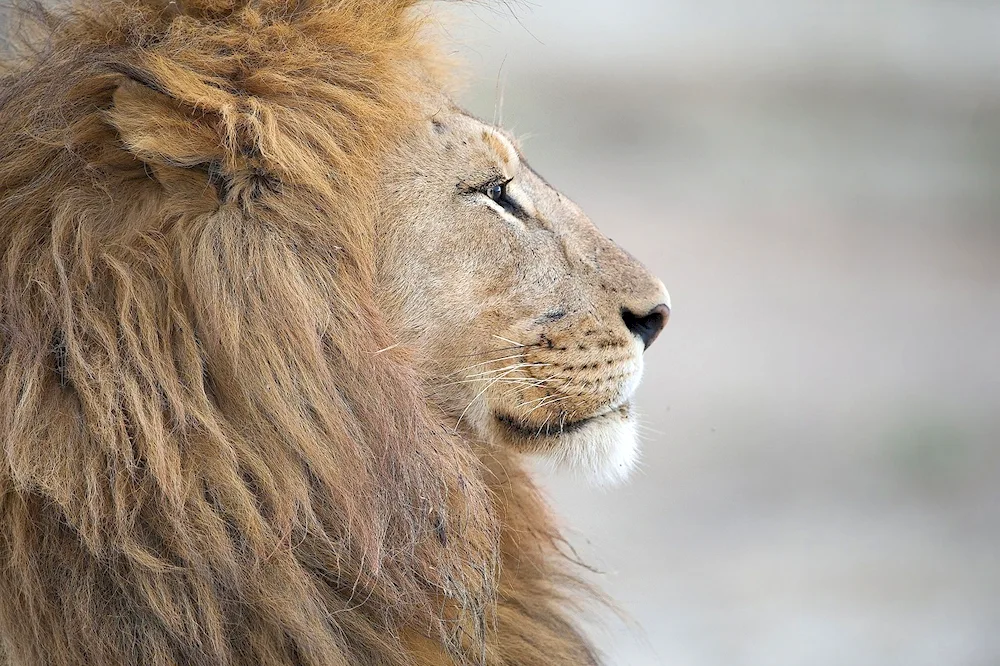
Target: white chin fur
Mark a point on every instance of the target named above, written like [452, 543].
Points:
[605, 453]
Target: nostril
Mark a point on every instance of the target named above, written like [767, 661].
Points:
[646, 327]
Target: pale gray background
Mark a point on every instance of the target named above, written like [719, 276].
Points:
[818, 184]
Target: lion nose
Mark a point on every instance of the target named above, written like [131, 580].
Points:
[646, 326]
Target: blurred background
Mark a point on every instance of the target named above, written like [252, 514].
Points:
[818, 184]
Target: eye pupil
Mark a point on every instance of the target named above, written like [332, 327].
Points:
[497, 192]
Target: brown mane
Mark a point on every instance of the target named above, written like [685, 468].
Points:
[208, 458]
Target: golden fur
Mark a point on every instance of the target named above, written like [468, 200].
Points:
[214, 450]
[518, 308]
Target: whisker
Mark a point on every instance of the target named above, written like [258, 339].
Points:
[494, 351]
[501, 373]
[517, 366]
[554, 378]
[534, 400]
[544, 426]
[554, 401]
[519, 382]
[513, 342]
[496, 360]
[646, 430]
[472, 402]
[547, 401]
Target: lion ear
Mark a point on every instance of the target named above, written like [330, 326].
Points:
[167, 116]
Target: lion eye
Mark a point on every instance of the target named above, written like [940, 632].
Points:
[497, 192]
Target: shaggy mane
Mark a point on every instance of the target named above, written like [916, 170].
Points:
[209, 457]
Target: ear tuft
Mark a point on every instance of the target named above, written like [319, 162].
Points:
[158, 129]
[166, 114]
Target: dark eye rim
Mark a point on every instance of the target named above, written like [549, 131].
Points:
[497, 191]
[498, 188]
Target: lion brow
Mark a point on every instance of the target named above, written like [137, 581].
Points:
[496, 137]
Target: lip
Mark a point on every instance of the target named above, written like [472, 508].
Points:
[527, 430]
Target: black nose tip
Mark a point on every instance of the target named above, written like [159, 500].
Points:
[646, 327]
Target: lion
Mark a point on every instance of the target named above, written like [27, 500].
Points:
[279, 326]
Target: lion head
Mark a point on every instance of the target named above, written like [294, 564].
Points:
[276, 323]
[530, 323]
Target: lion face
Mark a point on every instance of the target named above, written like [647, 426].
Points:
[529, 323]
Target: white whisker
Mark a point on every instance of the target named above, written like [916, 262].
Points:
[517, 366]
[548, 401]
[497, 350]
[472, 402]
[519, 382]
[496, 360]
[513, 342]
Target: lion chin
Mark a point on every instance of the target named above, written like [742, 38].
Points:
[606, 453]
[603, 449]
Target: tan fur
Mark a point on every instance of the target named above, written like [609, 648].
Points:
[517, 315]
[225, 436]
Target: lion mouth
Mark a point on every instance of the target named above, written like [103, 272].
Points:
[528, 430]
